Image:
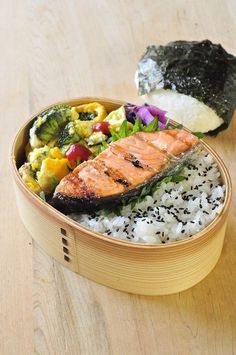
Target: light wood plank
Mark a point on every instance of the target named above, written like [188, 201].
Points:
[60, 49]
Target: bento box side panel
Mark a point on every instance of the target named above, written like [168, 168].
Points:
[55, 238]
[149, 271]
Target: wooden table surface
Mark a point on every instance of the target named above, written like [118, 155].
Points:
[51, 50]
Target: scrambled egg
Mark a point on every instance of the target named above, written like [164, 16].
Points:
[28, 178]
[93, 107]
[96, 138]
[84, 129]
[48, 165]
[115, 119]
[51, 172]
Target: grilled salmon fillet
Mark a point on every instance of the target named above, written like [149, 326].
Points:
[123, 169]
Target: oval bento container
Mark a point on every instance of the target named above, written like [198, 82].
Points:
[135, 268]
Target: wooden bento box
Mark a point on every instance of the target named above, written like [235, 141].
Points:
[135, 268]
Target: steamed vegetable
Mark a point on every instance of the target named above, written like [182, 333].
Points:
[49, 124]
[69, 134]
[74, 132]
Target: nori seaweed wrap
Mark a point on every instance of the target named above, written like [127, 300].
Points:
[202, 70]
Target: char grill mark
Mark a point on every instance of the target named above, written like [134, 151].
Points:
[115, 175]
[123, 182]
[136, 163]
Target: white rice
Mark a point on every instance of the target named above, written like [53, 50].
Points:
[174, 212]
[185, 109]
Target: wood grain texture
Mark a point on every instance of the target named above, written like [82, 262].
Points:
[53, 50]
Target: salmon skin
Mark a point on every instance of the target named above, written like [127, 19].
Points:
[123, 170]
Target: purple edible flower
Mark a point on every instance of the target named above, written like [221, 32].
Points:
[146, 113]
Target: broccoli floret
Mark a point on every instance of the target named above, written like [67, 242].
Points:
[68, 135]
[49, 125]
[74, 132]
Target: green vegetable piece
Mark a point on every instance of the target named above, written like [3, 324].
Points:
[123, 131]
[138, 126]
[114, 135]
[69, 135]
[199, 134]
[178, 178]
[152, 126]
[49, 124]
